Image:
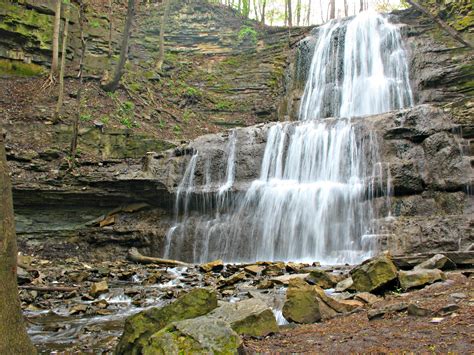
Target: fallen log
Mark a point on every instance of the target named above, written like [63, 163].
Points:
[135, 256]
[49, 288]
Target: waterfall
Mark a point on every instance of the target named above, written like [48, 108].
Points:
[359, 68]
[313, 199]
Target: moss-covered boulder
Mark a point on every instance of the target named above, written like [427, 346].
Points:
[419, 277]
[139, 327]
[374, 274]
[250, 317]
[301, 305]
[321, 278]
[202, 335]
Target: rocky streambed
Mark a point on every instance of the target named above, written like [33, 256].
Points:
[83, 305]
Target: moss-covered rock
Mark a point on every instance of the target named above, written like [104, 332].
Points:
[140, 327]
[301, 305]
[250, 317]
[373, 274]
[419, 277]
[203, 335]
[321, 278]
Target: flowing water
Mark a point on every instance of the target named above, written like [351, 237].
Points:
[318, 177]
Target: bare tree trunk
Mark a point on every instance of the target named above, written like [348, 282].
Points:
[332, 11]
[59, 105]
[264, 5]
[286, 12]
[13, 337]
[255, 9]
[111, 14]
[114, 83]
[298, 13]
[346, 8]
[290, 14]
[57, 25]
[308, 14]
[75, 127]
[164, 20]
[321, 11]
[449, 30]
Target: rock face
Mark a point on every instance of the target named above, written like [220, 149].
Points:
[141, 326]
[419, 277]
[428, 168]
[201, 335]
[374, 274]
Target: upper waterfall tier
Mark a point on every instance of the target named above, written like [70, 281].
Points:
[359, 68]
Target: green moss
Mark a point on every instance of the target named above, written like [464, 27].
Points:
[17, 68]
[140, 327]
[33, 26]
[257, 325]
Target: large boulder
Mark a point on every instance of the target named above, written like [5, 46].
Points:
[301, 305]
[139, 327]
[321, 278]
[438, 261]
[202, 335]
[374, 274]
[250, 317]
[419, 278]
[309, 304]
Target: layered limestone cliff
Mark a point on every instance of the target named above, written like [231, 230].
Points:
[122, 195]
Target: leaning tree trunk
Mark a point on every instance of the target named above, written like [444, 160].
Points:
[59, 105]
[57, 25]
[164, 20]
[451, 31]
[75, 125]
[13, 337]
[114, 83]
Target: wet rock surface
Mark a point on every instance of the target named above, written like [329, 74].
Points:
[65, 315]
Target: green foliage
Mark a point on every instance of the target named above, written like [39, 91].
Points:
[127, 107]
[135, 87]
[95, 24]
[161, 124]
[188, 115]
[125, 113]
[177, 129]
[85, 117]
[231, 62]
[112, 95]
[247, 33]
[127, 122]
[105, 119]
[192, 92]
[224, 105]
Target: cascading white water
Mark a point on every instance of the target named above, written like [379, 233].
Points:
[313, 198]
[359, 68]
